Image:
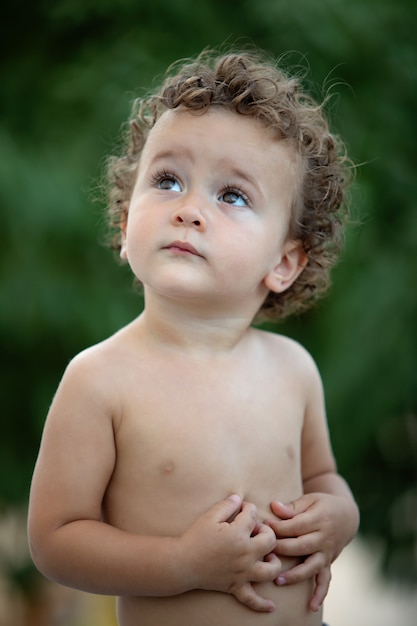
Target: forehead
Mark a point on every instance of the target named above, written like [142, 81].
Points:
[222, 128]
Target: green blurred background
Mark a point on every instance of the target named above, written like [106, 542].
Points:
[69, 71]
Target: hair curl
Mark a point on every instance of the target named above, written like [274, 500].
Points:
[248, 83]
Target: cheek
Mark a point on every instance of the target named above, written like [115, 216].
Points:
[140, 228]
[257, 249]
[243, 262]
[137, 236]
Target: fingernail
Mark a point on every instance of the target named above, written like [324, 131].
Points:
[234, 497]
[281, 580]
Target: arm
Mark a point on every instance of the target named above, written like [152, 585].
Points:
[71, 544]
[325, 518]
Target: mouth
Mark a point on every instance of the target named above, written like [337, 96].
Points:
[182, 247]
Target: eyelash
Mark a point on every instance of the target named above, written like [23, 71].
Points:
[238, 191]
[157, 177]
[161, 175]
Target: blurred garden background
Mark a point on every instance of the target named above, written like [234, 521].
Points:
[69, 70]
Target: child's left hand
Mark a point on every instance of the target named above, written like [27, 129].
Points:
[314, 526]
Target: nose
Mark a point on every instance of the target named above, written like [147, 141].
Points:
[189, 215]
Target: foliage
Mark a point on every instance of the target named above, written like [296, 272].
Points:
[70, 69]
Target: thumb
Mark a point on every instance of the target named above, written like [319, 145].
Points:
[227, 509]
[284, 511]
[296, 507]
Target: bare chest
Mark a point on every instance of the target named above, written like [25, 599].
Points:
[196, 441]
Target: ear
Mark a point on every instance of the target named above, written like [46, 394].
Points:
[123, 227]
[289, 266]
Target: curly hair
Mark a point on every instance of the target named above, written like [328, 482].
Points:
[249, 83]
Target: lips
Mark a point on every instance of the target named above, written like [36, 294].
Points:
[182, 247]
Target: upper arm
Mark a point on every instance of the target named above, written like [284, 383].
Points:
[77, 453]
[316, 452]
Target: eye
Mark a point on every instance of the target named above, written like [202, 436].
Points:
[236, 197]
[166, 182]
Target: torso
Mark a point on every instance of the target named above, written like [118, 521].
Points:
[206, 608]
[203, 434]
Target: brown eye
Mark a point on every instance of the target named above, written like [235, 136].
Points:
[234, 197]
[169, 183]
[166, 182]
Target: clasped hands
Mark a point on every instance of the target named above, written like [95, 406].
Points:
[231, 548]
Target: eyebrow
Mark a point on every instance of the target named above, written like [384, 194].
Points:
[230, 169]
[226, 165]
[173, 153]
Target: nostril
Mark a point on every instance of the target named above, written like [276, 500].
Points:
[183, 218]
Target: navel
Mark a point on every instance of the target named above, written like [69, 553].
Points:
[167, 467]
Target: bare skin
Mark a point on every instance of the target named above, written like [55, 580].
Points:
[153, 430]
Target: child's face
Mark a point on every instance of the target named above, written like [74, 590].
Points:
[210, 209]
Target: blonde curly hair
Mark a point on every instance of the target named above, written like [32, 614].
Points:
[249, 83]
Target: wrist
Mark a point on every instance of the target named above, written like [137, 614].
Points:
[183, 567]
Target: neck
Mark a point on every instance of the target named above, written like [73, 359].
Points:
[191, 327]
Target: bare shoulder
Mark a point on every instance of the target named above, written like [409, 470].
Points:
[98, 371]
[286, 350]
[106, 357]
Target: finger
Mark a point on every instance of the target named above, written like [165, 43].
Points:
[225, 510]
[302, 524]
[248, 519]
[257, 528]
[267, 570]
[248, 596]
[264, 541]
[272, 558]
[309, 568]
[284, 511]
[290, 509]
[322, 587]
[278, 528]
[298, 546]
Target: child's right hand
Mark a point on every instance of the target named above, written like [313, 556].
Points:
[228, 549]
